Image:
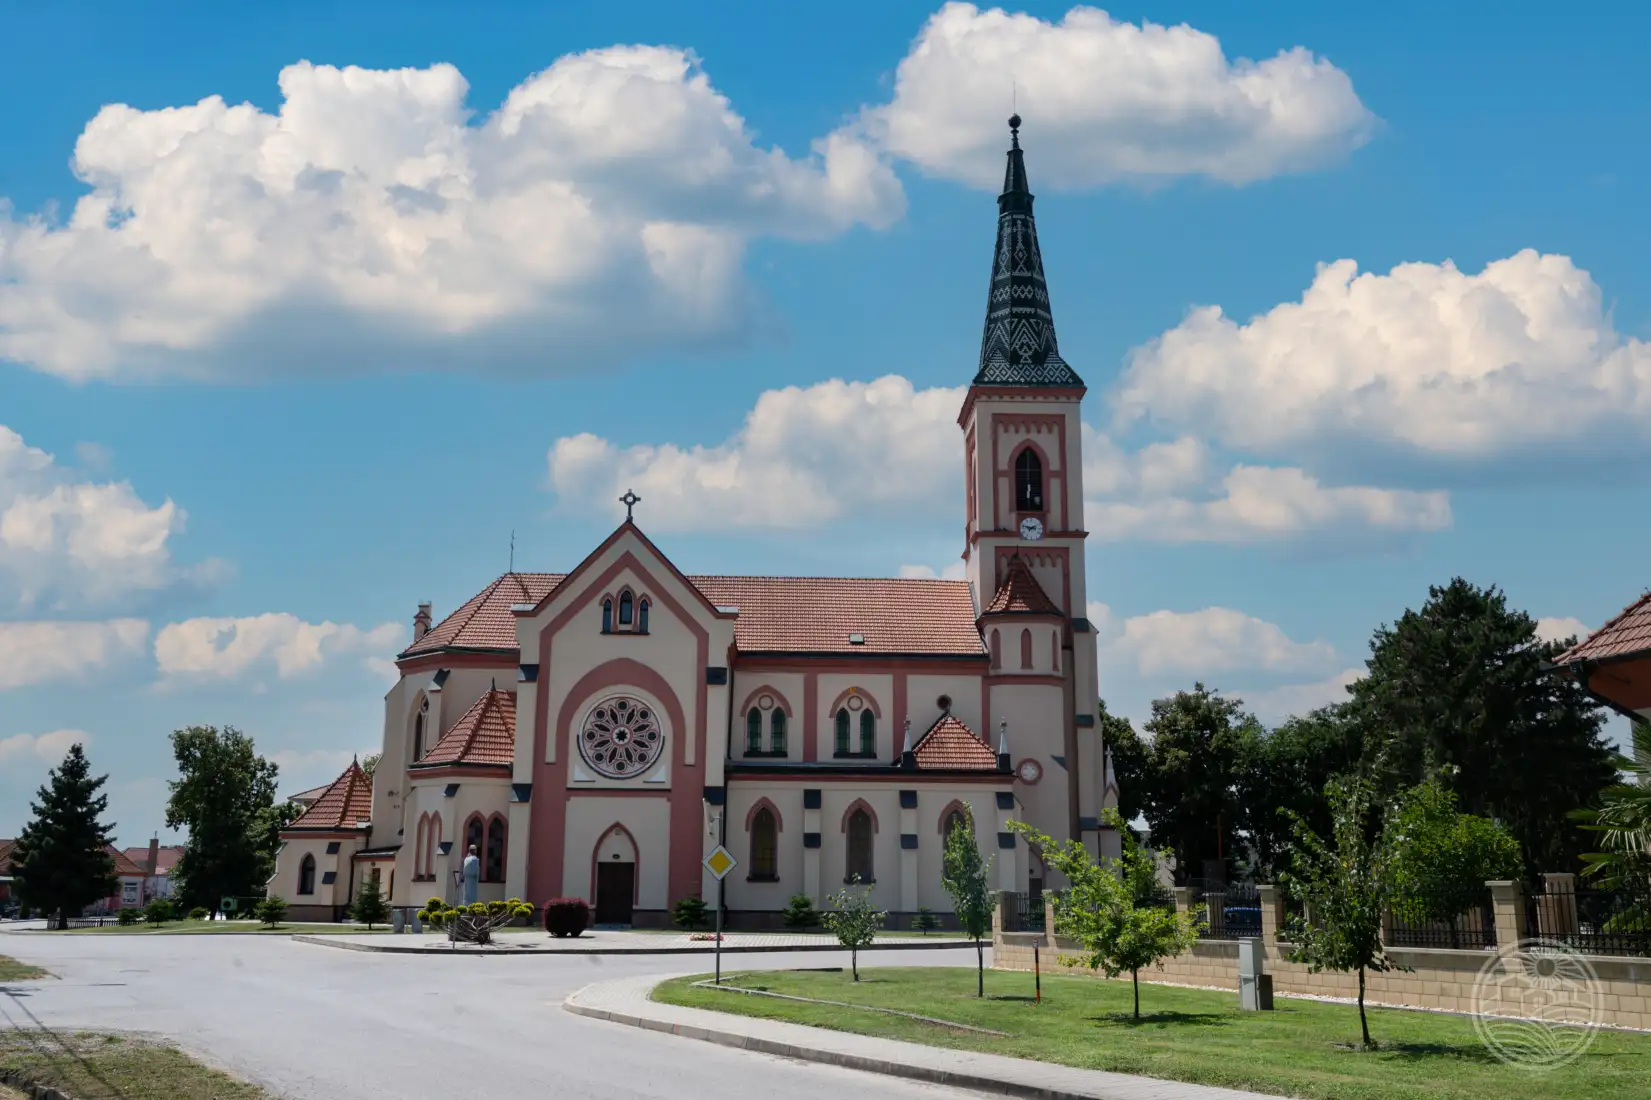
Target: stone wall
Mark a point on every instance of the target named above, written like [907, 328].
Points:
[1437, 979]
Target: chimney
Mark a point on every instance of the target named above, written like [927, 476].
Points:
[154, 854]
[421, 622]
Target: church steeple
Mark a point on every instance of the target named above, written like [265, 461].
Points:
[1018, 347]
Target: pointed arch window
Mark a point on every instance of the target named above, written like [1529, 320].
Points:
[1026, 648]
[764, 846]
[627, 608]
[753, 731]
[776, 733]
[473, 831]
[997, 650]
[859, 848]
[842, 732]
[306, 875]
[642, 615]
[418, 729]
[607, 615]
[493, 862]
[868, 733]
[1028, 481]
[955, 820]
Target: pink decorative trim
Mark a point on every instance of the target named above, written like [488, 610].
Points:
[842, 697]
[811, 716]
[763, 803]
[955, 804]
[859, 804]
[780, 700]
[636, 861]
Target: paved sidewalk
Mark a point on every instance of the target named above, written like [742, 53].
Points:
[594, 942]
[625, 1001]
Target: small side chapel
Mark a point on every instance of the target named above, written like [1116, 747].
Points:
[596, 733]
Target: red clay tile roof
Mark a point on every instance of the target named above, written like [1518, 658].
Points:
[166, 857]
[1629, 632]
[124, 865]
[306, 797]
[485, 621]
[484, 734]
[777, 615]
[347, 802]
[1020, 593]
[951, 745]
[5, 854]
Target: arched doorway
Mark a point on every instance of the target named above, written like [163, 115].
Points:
[614, 876]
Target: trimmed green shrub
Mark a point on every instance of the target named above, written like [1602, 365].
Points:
[690, 912]
[200, 912]
[566, 917]
[128, 916]
[158, 912]
[271, 910]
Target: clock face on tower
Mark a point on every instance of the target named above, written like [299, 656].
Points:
[1031, 528]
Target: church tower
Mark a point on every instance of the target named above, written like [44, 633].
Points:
[1024, 544]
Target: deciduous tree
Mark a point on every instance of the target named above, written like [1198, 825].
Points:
[1202, 744]
[854, 920]
[1288, 771]
[221, 789]
[1442, 858]
[965, 877]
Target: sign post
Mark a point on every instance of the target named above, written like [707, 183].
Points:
[719, 863]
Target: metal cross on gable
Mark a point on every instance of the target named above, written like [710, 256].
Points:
[629, 500]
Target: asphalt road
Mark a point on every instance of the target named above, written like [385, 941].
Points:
[316, 1023]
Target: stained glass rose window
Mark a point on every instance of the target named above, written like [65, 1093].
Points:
[621, 737]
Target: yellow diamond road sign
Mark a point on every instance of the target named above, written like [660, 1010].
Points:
[720, 862]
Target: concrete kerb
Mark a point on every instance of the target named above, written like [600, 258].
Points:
[829, 1057]
[512, 952]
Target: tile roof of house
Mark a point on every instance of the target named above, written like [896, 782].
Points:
[124, 864]
[1629, 632]
[166, 857]
[6, 845]
[953, 746]
[815, 615]
[309, 796]
[1020, 593]
[484, 734]
[347, 802]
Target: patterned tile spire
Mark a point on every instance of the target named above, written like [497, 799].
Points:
[1018, 348]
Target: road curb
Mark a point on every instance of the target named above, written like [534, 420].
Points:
[511, 953]
[887, 1067]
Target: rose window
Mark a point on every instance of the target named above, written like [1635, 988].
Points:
[621, 737]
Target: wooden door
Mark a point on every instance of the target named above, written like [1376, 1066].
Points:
[615, 892]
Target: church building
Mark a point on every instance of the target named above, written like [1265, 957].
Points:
[596, 733]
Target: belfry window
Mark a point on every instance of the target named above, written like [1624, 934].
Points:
[776, 733]
[1028, 482]
[418, 729]
[753, 731]
[627, 609]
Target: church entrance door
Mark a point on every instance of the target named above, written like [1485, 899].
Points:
[615, 891]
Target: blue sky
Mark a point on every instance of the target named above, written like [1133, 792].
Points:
[293, 378]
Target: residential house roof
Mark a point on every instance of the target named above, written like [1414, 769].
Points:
[1629, 632]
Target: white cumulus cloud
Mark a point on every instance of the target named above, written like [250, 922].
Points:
[49, 747]
[372, 221]
[70, 542]
[952, 572]
[230, 648]
[1274, 704]
[1176, 492]
[44, 652]
[803, 457]
[1557, 629]
[1202, 643]
[1107, 100]
[1520, 359]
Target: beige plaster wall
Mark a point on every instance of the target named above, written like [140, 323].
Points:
[647, 820]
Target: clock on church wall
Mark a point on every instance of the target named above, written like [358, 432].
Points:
[1031, 528]
[1030, 771]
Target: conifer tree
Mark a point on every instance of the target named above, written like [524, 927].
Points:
[61, 863]
[370, 907]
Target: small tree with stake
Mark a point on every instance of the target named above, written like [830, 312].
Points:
[1345, 884]
[964, 876]
[1110, 907]
[854, 920]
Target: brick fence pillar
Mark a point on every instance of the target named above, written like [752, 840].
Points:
[1508, 901]
[1048, 921]
[1003, 913]
[1272, 913]
[1556, 908]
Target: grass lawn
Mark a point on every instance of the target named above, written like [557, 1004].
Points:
[90, 1066]
[224, 927]
[1303, 1048]
[13, 971]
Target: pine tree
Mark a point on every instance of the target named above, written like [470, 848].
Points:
[61, 863]
[800, 915]
[370, 907]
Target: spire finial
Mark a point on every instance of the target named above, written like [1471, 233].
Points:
[1014, 129]
[513, 550]
[629, 500]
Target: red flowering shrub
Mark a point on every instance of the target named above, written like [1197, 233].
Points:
[566, 916]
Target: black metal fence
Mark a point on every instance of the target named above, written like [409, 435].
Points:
[1232, 910]
[1474, 927]
[1026, 914]
[1594, 919]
